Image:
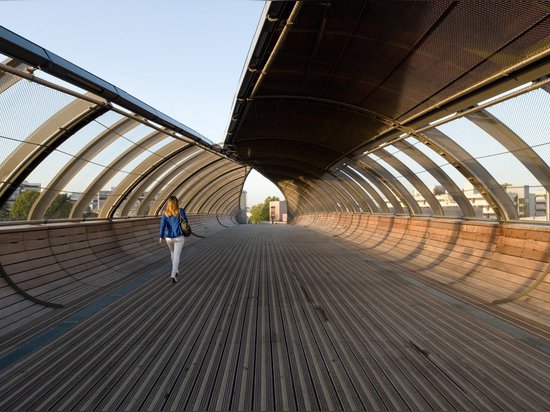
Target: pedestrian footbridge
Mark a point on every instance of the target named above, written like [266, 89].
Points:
[410, 140]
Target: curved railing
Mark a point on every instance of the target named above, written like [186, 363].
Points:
[52, 266]
[493, 263]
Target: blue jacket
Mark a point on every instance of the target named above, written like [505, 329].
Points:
[170, 225]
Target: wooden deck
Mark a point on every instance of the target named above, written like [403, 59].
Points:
[275, 317]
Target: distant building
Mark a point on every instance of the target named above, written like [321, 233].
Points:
[243, 200]
[447, 202]
[74, 196]
[26, 186]
[242, 216]
[533, 203]
[530, 203]
[278, 211]
[99, 199]
[542, 205]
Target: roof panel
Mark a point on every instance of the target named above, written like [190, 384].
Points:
[352, 76]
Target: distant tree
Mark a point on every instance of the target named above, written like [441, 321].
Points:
[256, 213]
[439, 190]
[23, 204]
[270, 199]
[60, 207]
[260, 212]
[89, 213]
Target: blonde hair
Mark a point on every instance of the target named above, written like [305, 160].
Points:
[172, 207]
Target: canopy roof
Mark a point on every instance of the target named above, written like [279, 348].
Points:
[328, 81]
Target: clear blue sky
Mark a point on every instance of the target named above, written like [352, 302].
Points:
[182, 57]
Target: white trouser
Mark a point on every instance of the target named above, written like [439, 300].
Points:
[175, 245]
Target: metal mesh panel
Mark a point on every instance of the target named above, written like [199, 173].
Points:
[129, 167]
[417, 169]
[70, 148]
[419, 172]
[360, 188]
[158, 184]
[25, 107]
[79, 172]
[67, 152]
[487, 151]
[448, 203]
[370, 182]
[398, 177]
[527, 115]
[529, 30]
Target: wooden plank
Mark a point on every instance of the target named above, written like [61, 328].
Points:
[280, 317]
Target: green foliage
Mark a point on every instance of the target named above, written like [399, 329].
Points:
[260, 212]
[270, 199]
[23, 203]
[89, 213]
[60, 207]
[256, 213]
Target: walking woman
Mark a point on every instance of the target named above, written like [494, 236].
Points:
[170, 230]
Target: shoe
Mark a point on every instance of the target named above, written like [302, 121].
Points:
[174, 279]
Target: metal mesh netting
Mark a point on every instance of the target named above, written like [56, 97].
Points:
[510, 142]
[63, 157]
